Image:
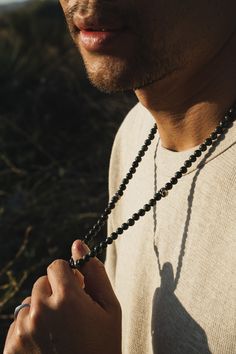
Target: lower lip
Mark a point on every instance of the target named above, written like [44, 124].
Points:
[95, 41]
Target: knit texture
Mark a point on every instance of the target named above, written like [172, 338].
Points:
[174, 271]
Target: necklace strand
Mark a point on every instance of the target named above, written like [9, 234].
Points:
[162, 193]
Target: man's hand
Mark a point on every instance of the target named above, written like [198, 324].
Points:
[71, 312]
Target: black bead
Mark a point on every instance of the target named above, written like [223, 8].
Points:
[129, 175]
[152, 202]
[219, 130]
[125, 226]
[213, 136]
[208, 142]
[174, 180]
[92, 253]
[136, 216]
[135, 164]
[86, 258]
[141, 153]
[122, 187]
[111, 205]
[109, 240]
[197, 153]
[103, 244]
[144, 148]
[158, 196]
[120, 231]
[141, 212]
[103, 217]
[147, 207]
[138, 159]
[115, 199]
[125, 181]
[147, 142]
[178, 175]
[72, 263]
[79, 263]
[120, 192]
[132, 170]
[183, 169]
[107, 211]
[131, 222]
[168, 186]
[202, 147]
[114, 235]
[192, 158]
[188, 163]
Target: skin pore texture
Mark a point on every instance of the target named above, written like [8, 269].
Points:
[176, 56]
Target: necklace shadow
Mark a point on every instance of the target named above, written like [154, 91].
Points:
[174, 331]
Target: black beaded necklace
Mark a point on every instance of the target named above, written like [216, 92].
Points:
[162, 193]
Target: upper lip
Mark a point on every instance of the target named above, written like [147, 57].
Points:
[96, 25]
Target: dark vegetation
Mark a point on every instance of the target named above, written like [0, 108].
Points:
[56, 133]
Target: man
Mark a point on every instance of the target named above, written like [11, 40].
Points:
[174, 270]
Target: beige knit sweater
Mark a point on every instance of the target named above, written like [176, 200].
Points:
[174, 272]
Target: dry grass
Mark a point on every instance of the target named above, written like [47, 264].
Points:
[56, 134]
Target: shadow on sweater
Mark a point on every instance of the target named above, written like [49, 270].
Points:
[174, 331]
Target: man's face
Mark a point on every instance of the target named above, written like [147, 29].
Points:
[128, 44]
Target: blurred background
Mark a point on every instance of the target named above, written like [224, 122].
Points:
[56, 134]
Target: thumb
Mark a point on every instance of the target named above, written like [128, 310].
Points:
[97, 283]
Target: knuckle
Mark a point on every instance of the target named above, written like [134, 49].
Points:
[58, 263]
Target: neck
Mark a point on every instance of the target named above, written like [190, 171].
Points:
[188, 105]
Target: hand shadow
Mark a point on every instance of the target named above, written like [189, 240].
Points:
[174, 331]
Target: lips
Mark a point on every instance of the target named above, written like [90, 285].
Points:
[96, 36]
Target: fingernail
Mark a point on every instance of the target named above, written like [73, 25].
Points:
[81, 247]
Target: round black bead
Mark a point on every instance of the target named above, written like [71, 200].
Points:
[79, 263]
[147, 207]
[213, 136]
[114, 235]
[109, 240]
[131, 222]
[111, 205]
[92, 253]
[141, 212]
[72, 263]
[188, 163]
[141, 153]
[125, 226]
[103, 244]
[138, 158]
[158, 196]
[208, 142]
[197, 153]
[125, 181]
[120, 231]
[107, 211]
[178, 175]
[120, 192]
[86, 258]
[132, 170]
[135, 164]
[168, 186]
[144, 148]
[183, 169]
[115, 199]
[202, 147]
[103, 217]
[129, 175]
[192, 158]
[147, 142]
[122, 187]
[219, 130]
[136, 216]
[152, 202]
[174, 180]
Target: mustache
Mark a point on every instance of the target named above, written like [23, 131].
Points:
[101, 9]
